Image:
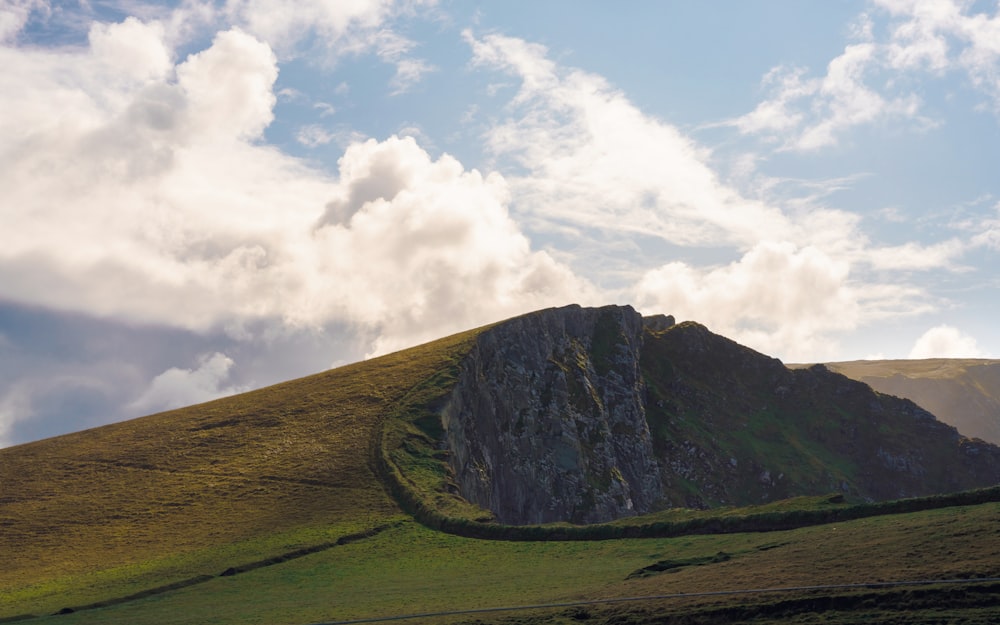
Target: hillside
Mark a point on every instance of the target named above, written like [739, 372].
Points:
[155, 500]
[587, 415]
[286, 505]
[964, 393]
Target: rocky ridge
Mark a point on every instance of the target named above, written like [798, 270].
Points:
[591, 414]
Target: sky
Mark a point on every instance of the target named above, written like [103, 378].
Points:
[201, 198]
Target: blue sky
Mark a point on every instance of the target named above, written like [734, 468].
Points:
[206, 197]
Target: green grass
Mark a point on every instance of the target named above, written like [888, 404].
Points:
[411, 569]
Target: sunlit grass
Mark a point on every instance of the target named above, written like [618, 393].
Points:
[411, 569]
[159, 499]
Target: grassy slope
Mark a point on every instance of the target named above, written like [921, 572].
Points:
[118, 509]
[964, 393]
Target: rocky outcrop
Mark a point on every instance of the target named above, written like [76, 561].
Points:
[547, 420]
[591, 414]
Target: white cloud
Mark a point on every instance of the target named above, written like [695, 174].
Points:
[408, 73]
[423, 247]
[595, 160]
[808, 114]
[283, 23]
[340, 28]
[151, 198]
[183, 387]
[943, 35]
[14, 15]
[778, 298]
[916, 256]
[933, 36]
[945, 341]
[314, 135]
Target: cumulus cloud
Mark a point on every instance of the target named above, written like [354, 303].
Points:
[778, 297]
[945, 341]
[151, 198]
[183, 387]
[425, 247]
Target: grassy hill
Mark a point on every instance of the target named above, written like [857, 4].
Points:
[122, 508]
[273, 507]
[964, 393]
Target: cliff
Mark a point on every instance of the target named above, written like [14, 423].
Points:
[590, 414]
[547, 419]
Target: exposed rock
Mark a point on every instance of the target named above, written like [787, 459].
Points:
[658, 323]
[586, 415]
[547, 421]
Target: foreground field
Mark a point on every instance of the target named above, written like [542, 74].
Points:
[409, 569]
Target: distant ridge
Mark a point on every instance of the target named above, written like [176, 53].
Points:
[963, 392]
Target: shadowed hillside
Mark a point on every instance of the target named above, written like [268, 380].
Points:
[964, 393]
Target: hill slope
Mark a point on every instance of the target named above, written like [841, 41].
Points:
[744, 428]
[964, 393]
[149, 501]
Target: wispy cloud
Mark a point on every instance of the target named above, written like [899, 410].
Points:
[594, 159]
[801, 273]
[859, 88]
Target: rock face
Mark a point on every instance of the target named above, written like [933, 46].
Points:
[732, 426]
[547, 421]
[591, 414]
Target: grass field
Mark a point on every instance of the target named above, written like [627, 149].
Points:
[268, 507]
[410, 569]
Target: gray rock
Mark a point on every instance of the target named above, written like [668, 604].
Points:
[547, 420]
